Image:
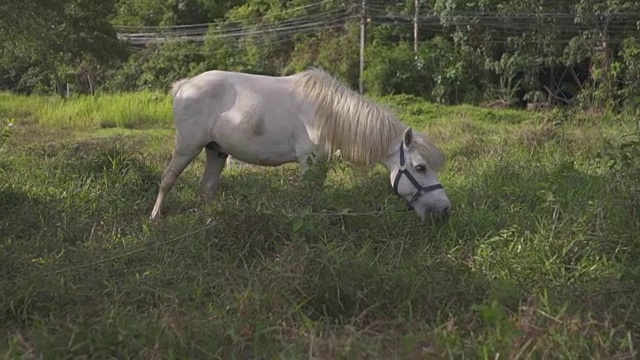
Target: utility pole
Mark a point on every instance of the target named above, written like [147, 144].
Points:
[415, 26]
[363, 24]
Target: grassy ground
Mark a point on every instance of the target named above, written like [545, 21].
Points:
[540, 260]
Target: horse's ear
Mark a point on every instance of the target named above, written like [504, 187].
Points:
[407, 138]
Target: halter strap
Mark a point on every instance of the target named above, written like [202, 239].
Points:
[421, 189]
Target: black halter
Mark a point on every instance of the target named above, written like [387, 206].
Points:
[421, 189]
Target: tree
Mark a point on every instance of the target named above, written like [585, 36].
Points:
[53, 42]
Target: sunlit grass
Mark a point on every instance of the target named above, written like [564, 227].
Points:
[125, 110]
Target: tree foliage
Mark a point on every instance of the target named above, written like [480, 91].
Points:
[47, 44]
[518, 51]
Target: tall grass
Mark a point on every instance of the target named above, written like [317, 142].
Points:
[126, 110]
[148, 109]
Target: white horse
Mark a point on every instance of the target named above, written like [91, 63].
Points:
[269, 121]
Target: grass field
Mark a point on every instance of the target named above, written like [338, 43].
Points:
[541, 258]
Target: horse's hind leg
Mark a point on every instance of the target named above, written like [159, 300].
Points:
[182, 156]
[215, 163]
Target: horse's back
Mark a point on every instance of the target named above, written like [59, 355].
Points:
[225, 89]
[255, 83]
[242, 92]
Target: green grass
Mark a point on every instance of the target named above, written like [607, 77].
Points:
[540, 260]
[139, 110]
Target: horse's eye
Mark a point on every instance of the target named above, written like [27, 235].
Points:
[420, 168]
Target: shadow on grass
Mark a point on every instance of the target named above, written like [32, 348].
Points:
[73, 188]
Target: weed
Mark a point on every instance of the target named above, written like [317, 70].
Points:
[5, 130]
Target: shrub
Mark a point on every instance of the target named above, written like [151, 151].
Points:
[440, 71]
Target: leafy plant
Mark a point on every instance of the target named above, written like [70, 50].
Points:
[5, 130]
[624, 158]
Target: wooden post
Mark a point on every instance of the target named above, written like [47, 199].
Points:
[363, 24]
[415, 26]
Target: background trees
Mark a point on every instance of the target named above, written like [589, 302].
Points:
[515, 51]
[48, 44]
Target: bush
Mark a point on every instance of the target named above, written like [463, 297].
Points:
[624, 158]
[156, 67]
[440, 71]
[630, 58]
[334, 51]
[392, 70]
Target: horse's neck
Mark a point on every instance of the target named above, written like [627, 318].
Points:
[391, 161]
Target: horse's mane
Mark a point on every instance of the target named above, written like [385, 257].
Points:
[362, 130]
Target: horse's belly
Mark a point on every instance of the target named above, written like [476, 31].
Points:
[268, 149]
[261, 128]
[264, 153]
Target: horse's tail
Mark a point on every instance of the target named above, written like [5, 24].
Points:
[175, 87]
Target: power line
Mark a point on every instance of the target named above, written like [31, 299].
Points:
[124, 28]
[224, 27]
[291, 29]
[511, 29]
[521, 21]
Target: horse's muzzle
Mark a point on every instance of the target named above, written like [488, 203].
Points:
[439, 215]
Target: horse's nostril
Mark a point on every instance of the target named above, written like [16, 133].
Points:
[446, 212]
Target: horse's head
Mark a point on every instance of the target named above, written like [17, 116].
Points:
[413, 168]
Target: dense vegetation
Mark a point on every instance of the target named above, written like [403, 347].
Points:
[495, 51]
[540, 259]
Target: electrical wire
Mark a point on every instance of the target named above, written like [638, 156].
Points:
[562, 27]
